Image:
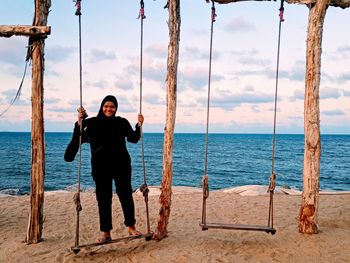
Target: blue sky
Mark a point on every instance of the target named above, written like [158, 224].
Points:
[243, 66]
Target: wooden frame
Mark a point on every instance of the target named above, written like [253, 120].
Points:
[77, 249]
[10, 30]
[267, 229]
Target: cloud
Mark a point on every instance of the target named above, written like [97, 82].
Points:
[196, 54]
[250, 57]
[51, 100]
[325, 93]
[251, 60]
[96, 55]
[150, 69]
[100, 84]
[340, 79]
[153, 99]
[228, 101]
[239, 24]
[344, 51]
[49, 71]
[346, 93]
[157, 51]
[125, 105]
[295, 73]
[13, 51]
[13, 54]
[123, 83]
[155, 72]
[96, 84]
[61, 109]
[330, 93]
[344, 77]
[196, 78]
[249, 88]
[333, 112]
[10, 95]
[57, 54]
[298, 95]
[341, 53]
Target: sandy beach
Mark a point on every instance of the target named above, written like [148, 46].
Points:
[186, 242]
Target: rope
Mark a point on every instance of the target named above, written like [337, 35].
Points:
[205, 196]
[213, 19]
[205, 178]
[143, 188]
[76, 197]
[30, 49]
[18, 93]
[272, 183]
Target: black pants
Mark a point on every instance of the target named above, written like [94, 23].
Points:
[104, 195]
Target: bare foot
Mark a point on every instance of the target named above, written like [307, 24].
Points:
[106, 237]
[133, 232]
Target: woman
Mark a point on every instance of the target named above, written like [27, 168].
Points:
[110, 161]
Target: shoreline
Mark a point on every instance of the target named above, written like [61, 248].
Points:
[244, 190]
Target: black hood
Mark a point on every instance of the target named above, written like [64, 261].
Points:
[110, 98]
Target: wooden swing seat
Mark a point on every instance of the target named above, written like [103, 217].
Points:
[147, 237]
[266, 229]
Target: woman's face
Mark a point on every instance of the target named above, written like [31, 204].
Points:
[109, 109]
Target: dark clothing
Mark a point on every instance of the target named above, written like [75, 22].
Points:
[104, 199]
[110, 161]
[107, 143]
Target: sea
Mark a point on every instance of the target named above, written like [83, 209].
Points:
[233, 160]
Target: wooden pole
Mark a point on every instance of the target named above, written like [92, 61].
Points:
[172, 65]
[35, 222]
[312, 149]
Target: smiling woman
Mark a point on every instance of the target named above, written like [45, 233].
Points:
[110, 162]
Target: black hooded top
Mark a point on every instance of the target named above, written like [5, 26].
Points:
[106, 136]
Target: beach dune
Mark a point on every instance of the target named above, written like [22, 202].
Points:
[186, 242]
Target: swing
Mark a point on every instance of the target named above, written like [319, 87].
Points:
[204, 224]
[143, 188]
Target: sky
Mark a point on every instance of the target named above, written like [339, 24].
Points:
[243, 66]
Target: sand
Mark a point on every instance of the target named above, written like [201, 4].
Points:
[186, 242]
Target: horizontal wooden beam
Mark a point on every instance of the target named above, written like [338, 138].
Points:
[10, 30]
[336, 3]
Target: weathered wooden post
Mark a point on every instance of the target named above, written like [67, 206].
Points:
[172, 64]
[37, 33]
[35, 223]
[312, 140]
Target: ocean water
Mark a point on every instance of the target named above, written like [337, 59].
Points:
[233, 160]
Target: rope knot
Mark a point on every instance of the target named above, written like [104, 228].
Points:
[281, 14]
[144, 190]
[281, 11]
[205, 186]
[78, 6]
[142, 11]
[213, 13]
[272, 183]
[76, 200]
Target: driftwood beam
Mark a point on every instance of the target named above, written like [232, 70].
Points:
[335, 3]
[10, 30]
